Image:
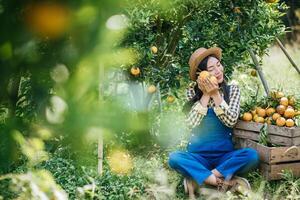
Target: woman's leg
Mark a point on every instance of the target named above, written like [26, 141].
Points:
[237, 162]
[192, 165]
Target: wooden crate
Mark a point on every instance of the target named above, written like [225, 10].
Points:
[283, 136]
[273, 172]
[274, 159]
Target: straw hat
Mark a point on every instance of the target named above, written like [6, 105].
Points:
[199, 55]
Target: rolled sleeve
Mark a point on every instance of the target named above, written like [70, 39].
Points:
[196, 114]
[201, 109]
[222, 108]
[228, 114]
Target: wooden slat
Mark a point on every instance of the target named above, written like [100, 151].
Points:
[277, 154]
[245, 134]
[272, 155]
[265, 171]
[275, 139]
[277, 169]
[272, 129]
[296, 141]
[273, 172]
[284, 131]
[250, 126]
[297, 131]
[284, 154]
[263, 151]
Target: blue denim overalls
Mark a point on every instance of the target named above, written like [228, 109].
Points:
[211, 147]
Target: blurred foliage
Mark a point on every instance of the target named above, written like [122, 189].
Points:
[27, 182]
[37, 184]
[50, 54]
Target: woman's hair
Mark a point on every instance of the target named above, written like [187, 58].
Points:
[198, 93]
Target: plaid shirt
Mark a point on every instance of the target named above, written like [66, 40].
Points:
[228, 114]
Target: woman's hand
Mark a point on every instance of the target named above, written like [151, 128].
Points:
[205, 97]
[212, 88]
[201, 86]
[208, 87]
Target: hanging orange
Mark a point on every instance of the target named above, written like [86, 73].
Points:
[135, 71]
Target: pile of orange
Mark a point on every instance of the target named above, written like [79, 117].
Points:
[282, 114]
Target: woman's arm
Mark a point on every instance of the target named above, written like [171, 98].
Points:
[228, 114]
[198, 110]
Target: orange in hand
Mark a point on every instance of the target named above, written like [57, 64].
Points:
[205, 74]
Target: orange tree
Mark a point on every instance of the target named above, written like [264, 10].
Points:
[164, 34]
